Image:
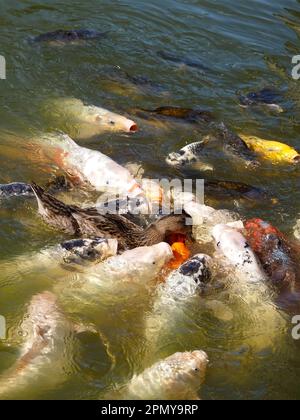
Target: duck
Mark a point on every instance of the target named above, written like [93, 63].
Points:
[91, 223]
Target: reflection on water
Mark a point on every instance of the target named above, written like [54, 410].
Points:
[196, 54]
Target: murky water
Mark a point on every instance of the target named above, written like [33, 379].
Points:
[242, 46]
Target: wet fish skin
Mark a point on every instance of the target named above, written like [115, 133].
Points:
[90, 166]
[75, 254]
[235, 248]
[189, 154]
[95, 117]
[81, 251]
[183, 61]
[15, 189]
[267, 97]
[43, 352]
[188, 281]
[274, 252]
[234, 190]
[188, 114]
[139, 265]
[67, 36]
[233, 144]
[178, 377]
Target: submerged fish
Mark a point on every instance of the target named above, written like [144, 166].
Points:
[177, 377]
[179, 296]
[45, 355]
[234, 190]
[86, 165]
[266, 97]
[175, 296]
[235, 248]
[187, 114]
[119, 82]
[182, 61]
[15, 189]
[188, 155]
[230, 142]
[140, 266]
[62, 36]
[98, 118]
[274, 252]
[247, 286]
[236, 146]
[272, 150]
[70, 255]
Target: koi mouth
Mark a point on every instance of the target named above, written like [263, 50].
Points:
[297, 159]
[134, 128]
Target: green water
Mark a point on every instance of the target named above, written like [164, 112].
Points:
[244, 46]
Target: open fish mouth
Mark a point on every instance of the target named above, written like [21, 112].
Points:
[296, 159]
[133, 128]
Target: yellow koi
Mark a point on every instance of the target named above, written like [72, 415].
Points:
[272, 150]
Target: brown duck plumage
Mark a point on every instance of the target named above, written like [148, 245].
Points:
[90, 223]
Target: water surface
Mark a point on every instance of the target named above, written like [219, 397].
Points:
[242, 46]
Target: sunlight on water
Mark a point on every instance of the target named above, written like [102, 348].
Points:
[194, 54]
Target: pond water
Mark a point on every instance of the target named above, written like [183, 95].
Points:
[238, 47]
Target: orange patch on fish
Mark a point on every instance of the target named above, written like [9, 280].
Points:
[257, 231]
[134, 187]
[181, 254]
[59, 158]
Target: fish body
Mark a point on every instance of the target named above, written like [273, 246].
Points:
[188, 155]
[67, 255]
[140, 266]
[86, 165]
[236, 146]
[190, 115]
[84, 251]
[43, 354]
[15, 189]
[248, 287]
[204, 218]
[274, 252]
[98, 118]
[183, 61]
[177, 299]
[266, 97]
[235, 248]
[188, 280]
[177, 377]
[272, 150]
[61, 36]
[234, 190]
